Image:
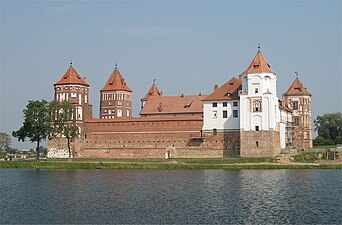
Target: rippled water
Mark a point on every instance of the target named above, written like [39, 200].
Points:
[171, 196]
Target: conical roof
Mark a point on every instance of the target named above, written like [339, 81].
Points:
[153, 91]
[297, 88]
[71, 77]
[116, 82]
[258, 65]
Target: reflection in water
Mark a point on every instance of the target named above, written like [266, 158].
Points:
[171, 196]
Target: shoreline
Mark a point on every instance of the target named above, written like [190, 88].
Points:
[187, 164]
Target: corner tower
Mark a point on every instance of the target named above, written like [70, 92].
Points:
[259, 110]
[115, 97]
[74, 88]
[153, 91]
[298, 99]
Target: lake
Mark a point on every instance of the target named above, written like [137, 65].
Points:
[170, 196]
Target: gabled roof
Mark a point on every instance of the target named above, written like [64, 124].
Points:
[71, 77]
[228, 91]
[258, 65]
[116, 82]
[153, 91]
[297, 88]
[158, 105]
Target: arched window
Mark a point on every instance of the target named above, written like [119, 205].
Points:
[256, 106]
[214, 131]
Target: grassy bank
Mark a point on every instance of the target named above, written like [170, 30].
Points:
[229, 163]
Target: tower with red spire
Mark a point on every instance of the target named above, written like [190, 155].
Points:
[115, 97]
[298, 99]
[74, 88]
[153, 91]
[259, 110]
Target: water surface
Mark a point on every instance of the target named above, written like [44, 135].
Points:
[170, 196]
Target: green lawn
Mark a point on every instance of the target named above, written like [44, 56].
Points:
[222, 163]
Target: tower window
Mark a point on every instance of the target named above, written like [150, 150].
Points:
[256, 128]
[257, 144]
[296, 121]
[214, 131]
[256, 90]
[257, 106]
[295, 105]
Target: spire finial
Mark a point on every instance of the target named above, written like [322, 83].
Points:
[70, 62]
[116, 63]
[258, 46]
[154, 81]
[296, 75]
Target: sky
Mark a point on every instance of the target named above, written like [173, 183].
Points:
[187, 46]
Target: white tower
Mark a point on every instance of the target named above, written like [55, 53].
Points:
[259, 120]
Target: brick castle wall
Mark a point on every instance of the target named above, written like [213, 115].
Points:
[152, 138]
[260, 143]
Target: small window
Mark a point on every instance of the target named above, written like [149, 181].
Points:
[225, 104]
[225, 114]
[214, 114]
[296, 121]
[257, 144]
[256, 90]
[256, 128]
[256, 66]
[295, 105]
[214, 104]
[235, 113]
[235, 103]
[214, 131]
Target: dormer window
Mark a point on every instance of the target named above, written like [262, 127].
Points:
[229, 94]
[231, 83]
[255, 66]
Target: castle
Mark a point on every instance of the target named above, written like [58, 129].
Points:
[243, 117]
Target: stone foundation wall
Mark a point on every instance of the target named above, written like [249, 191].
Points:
[260, 143]
[58, 148]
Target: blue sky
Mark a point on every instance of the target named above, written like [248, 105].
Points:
[187, 46]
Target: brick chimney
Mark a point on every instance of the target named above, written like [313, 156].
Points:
[215, 87]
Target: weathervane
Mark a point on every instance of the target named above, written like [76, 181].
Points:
[259, 46]
[296, 74]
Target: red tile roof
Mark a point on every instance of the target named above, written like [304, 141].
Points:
[282, 106]
[116, 82]
[258, 65]
[297, 88]
[153, 91]
[228, 91]
[71, 77]
[158, 105]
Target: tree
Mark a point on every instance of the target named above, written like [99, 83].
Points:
[63, 121]
[329, 128]
[5, 140]
[36, 125]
